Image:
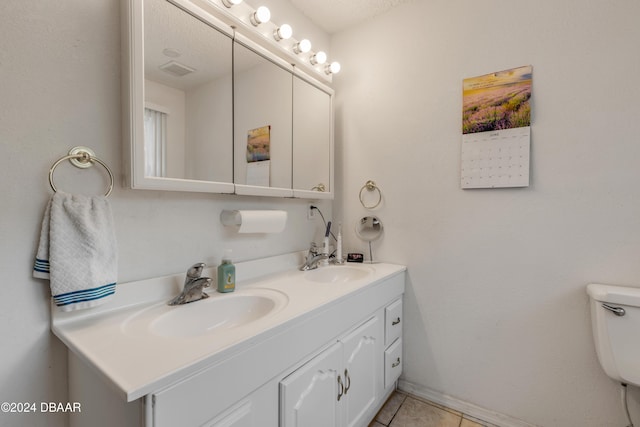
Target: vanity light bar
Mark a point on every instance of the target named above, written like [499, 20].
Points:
[259, 20]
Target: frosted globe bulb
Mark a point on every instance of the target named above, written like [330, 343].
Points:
[319, 58]
[283, 33]
[261, 16]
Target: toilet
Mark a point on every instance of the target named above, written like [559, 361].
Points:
[615, 320]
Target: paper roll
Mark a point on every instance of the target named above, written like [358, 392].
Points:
[272, 221]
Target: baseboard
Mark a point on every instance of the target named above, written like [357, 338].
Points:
[496, 418]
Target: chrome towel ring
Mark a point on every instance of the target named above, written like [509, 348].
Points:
[370, 186]
[81, 157]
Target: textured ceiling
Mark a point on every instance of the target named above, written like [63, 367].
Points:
[336, 15]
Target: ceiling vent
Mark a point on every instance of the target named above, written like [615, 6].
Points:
[176, 69]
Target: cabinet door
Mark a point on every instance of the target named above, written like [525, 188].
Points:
[362, 361]
[308, 397]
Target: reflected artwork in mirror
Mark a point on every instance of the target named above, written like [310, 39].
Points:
[262, 124]
[187, 96]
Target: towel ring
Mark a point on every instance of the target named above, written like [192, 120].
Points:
[81, 157]
[370, 186]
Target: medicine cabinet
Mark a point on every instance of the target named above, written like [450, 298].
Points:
[208, 109]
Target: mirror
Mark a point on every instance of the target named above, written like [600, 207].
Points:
[312, 138]
[262, 92]
[178, 75]
[193, 122]
[369, 228]
[188, 95]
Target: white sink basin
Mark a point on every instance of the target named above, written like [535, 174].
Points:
[337, 274]
[217, 313]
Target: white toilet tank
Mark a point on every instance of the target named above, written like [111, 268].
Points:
[615, 319]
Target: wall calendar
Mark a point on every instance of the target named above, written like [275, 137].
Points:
[496, 129]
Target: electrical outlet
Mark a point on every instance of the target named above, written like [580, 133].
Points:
[311, 213]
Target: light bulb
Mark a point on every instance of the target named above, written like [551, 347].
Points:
[231, 3]
[303, 46]
[332, 68]
[284, 32]
[318, 58]
[260, 16]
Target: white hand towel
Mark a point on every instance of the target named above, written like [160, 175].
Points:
[77, 251]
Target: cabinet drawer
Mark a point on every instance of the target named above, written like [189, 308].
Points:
[393, 322]
[392, 363]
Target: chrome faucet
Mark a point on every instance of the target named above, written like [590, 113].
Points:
[193, 286]
[313, 258]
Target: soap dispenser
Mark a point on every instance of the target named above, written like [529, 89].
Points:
[226, 274]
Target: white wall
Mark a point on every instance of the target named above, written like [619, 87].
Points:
[496, 309]
[60, 87]
[209, 119]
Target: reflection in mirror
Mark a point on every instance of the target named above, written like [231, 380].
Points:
[262, 122]
[188, 96]
[311, 137]
[369, 228]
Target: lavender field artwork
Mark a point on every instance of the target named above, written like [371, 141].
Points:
[497, 101]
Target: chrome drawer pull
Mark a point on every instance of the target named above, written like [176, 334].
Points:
[395, 322]
[618, 311]
[396, 363]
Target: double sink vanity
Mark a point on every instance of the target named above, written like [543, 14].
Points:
[213, 105]
[288, 348]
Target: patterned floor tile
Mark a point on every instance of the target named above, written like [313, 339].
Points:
[415, 413]
[390, 408]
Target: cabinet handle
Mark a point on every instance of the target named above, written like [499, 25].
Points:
[341, 387]
[395, 322]
[347, 380]
[394, 364]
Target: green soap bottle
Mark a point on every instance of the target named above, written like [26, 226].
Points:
[226, 274]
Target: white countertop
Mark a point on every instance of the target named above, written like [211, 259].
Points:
[138, 362]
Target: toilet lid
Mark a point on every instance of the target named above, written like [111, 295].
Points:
[624, 295]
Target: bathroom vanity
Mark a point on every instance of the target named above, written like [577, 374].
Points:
[288, 348]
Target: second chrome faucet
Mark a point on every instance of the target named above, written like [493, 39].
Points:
[313, 258]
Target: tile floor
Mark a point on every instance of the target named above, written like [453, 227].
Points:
[404, 410]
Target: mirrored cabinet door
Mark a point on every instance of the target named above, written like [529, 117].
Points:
[182, 125]
[262, 123]
[312, 140]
